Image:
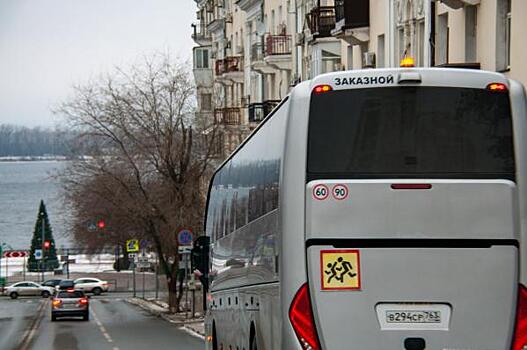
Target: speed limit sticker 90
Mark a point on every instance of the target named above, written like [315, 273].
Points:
[340, 192]
[320, 192]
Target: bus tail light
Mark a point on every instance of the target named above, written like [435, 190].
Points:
[301, 317]
[497, 87]
[520, 332]
[319, 89]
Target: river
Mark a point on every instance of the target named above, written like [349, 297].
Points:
[22, 186]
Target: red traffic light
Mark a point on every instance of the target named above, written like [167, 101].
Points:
[101, 224]
[47, 244]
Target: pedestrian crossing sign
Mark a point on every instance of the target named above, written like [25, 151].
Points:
[340, 269]
[132, 246]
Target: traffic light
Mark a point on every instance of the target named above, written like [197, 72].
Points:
[101, 224]
[47, 244]
[200, 255]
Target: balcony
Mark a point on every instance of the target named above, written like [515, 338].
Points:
[249, 5]
[457, 4]
[201, 35]
[277, 45]
[352, 21]
[258, 111]
[321, 21]
[230, 69]
[228, 116]
[215, 15]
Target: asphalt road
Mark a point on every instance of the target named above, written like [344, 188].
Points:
[114, 325]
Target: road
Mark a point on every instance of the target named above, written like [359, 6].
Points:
[114, 325]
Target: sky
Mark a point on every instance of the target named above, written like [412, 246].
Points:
[46, 46]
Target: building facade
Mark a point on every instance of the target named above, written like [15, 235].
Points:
[250, 53]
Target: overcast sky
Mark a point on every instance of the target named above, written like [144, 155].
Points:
[47, 45]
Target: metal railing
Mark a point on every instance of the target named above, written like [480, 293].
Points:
[229, 65]
[258, 111]
[227, 116]
[321, 20]
[277, 45]
[257, 50]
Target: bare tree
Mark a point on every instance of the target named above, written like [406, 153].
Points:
[148, 171]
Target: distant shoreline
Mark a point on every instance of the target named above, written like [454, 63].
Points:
[33, 158]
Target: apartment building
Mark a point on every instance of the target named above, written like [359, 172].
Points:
[250, 53]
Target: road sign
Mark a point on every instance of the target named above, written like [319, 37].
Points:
[38, 254]
[185, 237]
[16, 254]
[92, 227]
[132, 246]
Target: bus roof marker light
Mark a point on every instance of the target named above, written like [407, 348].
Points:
[319, 89]
[498, 87]
[407, 62]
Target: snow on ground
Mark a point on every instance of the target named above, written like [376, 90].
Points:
[83, 264]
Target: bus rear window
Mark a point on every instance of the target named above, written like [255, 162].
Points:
[410, 132]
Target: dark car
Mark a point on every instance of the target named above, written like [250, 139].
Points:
[70, 303]
[52, 283]
[65, 284]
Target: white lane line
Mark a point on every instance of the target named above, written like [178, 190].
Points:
[28, 336]
[102, 328]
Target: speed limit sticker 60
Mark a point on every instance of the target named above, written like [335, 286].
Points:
[320, 192]
[340, 192]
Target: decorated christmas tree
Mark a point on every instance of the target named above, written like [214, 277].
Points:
[46, 246]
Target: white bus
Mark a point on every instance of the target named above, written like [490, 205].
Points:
[375, 209]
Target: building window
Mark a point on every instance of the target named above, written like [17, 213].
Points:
[201, 58]
[401, 51]
[421, 40]
[206, 102]
[380, 51]
[503, 35]
[442, 39]
[508, 37]
[470, 34]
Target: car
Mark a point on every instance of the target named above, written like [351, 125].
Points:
[91, 285]
[51, 283]
[28, 288]
[64, 284]
[70, 303]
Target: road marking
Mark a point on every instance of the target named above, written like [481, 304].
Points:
[102, 328]
[29, 334]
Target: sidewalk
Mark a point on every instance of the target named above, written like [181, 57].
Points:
[193, 326]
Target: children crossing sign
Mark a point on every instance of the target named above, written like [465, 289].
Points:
[132, 246]
[340, 269]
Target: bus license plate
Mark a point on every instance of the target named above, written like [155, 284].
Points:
[413, 316]
[423, 316]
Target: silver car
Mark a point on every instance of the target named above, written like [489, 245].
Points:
[28, 288]
[70, 303]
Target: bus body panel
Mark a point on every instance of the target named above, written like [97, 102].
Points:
[450, 209]
[519, 118]
[478, 286]
[293, 271]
